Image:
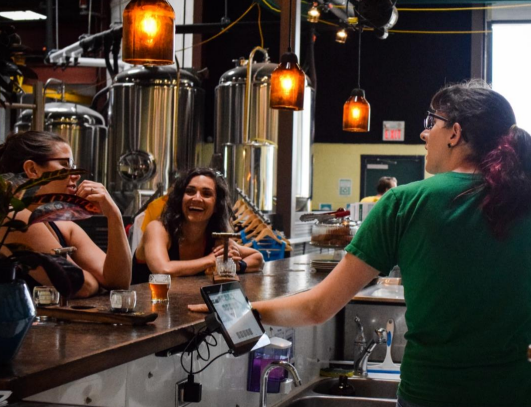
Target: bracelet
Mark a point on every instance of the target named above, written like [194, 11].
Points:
[243, 267]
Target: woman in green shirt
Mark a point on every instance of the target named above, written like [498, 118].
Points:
[461, 239]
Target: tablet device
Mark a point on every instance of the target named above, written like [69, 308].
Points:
[239, 325]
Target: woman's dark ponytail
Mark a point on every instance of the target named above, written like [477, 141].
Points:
[499, 149]
[507, 181]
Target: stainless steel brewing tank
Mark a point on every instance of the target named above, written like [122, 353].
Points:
[256, 170]
[229, 106]
[253, 167]
[83, 128]
[149, 138]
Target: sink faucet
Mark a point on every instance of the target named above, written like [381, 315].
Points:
[360, 364]
[360, 343]
[265, 375]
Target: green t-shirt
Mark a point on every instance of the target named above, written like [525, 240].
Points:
[468, 294]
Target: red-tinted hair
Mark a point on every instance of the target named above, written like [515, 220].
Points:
[499, 149]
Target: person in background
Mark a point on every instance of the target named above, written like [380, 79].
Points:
[154, 210]
[180, 243]
[35, 152]
[461, 239]
[384, 185]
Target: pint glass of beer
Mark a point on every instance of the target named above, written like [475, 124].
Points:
[159, 285]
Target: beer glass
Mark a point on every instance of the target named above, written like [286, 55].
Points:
[159, 285]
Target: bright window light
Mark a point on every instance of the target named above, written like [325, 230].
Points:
[511, 64]
[22, 15]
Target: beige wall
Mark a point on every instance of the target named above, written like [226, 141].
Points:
[333, 162]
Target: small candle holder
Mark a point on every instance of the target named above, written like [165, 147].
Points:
[123, 300]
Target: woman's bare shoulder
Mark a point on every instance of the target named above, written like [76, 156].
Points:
[155, 226]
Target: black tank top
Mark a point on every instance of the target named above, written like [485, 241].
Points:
[141, 270]
[30, 281]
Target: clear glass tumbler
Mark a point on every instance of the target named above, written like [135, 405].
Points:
[123, 300]
[45, 295]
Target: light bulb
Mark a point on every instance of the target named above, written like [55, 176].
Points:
[149, 26]
[286, 83]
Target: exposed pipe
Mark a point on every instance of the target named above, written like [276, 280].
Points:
[49, 25]
[56, 24]
[53, 81]
[89, 16]
[248, 92]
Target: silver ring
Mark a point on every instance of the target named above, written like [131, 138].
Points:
[91, 190]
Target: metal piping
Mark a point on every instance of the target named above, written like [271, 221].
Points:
[248, 93]
[53, 81]
[49, 25]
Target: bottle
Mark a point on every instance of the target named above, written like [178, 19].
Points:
[342, 388]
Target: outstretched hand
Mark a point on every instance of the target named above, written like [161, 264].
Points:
[198, 308]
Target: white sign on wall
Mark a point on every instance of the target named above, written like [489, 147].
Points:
[345, 187]
[393, 131]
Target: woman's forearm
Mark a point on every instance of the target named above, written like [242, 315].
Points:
[117, 266]
[90, 286]
[255, 262]
[321, 302]
[181, 267]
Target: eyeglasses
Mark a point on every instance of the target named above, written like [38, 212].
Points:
[68, 162]
[429, 121]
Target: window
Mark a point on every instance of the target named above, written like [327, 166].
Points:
[511, 65]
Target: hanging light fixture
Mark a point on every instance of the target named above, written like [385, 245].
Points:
[314, 14]
[148, 33]
[357, 111]
[341, 36]
[287, 80]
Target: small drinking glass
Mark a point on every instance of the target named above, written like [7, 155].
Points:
[225, 268]
[159, 285]
[45, 295]
[123, 300]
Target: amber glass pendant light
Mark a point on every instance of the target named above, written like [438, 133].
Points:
[357, 111]
[314, 14]
[148, 33]
[287, 81]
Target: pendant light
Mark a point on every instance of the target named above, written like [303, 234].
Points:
[287, 80]
[357, 111]
[148, 33]
[314, 14]
[341, 36]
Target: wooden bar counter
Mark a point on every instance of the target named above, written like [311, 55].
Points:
[57, 353]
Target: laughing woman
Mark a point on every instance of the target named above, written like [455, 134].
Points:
[36, 152]
[180, 242]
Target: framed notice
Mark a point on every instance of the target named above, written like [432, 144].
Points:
[393, 131]
[345, 187]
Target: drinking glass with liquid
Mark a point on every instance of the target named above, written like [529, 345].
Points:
[159, 285]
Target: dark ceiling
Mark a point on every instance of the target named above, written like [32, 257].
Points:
[41, 35]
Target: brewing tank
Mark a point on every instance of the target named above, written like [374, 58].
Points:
[83, 128]
[151, 136]
[230, 104]
[252, 166]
